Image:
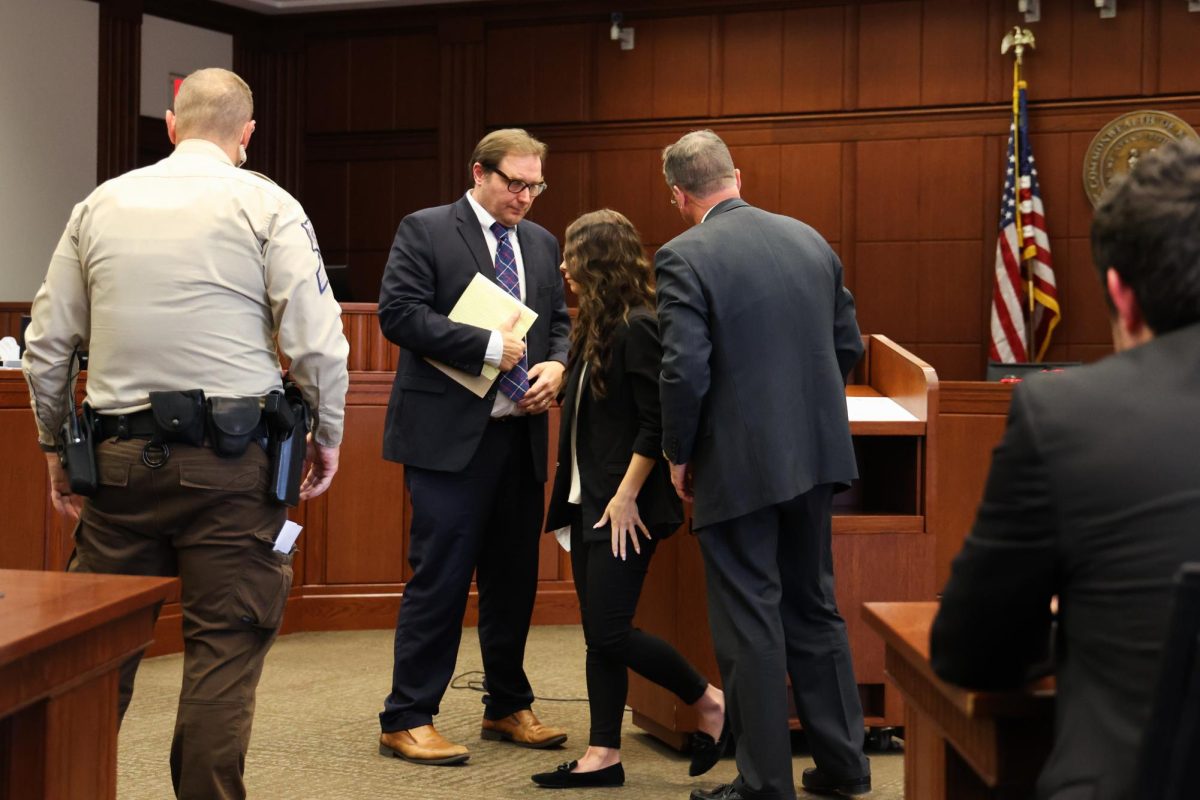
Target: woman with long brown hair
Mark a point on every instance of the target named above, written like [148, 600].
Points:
[612, 490]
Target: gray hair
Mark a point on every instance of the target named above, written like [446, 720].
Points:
[213, 104]
[699, 164]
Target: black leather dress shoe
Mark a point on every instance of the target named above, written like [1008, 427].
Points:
[726, 791]
[706, 752]
[563, 778]
[817, 782]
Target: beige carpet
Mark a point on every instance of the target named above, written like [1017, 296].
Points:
[316, 729]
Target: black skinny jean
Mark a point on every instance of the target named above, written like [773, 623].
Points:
[608, 590]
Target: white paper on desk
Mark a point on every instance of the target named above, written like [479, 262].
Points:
[286, 539]
[877, 409]
[485, 305]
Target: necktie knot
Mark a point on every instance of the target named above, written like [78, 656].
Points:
[499, 231]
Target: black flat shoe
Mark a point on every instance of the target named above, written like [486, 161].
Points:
[563, 778]
[817, 782]
[706, 752]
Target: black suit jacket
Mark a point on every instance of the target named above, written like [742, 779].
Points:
[1094, 496]
[432, 421]
[758, 336]
[611, 429]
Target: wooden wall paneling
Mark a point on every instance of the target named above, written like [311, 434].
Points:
[851, 39]
[814, 59]
[366, 533]
[759, 165]
[954, 49]
[889, 55]
[23, 544]
[371, 222]
[120, 77]
[951, 174]
[1087, 353]
[885, 288]
[366, 273]
[1106, 54]
[509, 64]
[273, 66]
[948, 276]
[1047, 69]
[1175, 44]
[10, 319]
[567, 176]
[953, 362]
[1151, 37]
[562, 73]
[1085, 313]
[888, 177]
[684, 62]
[626, 181]
[417, 77]
[372, 87]
[325, 198]
[327, 85]
[810, 186]
[752, 63]
[622, 85]
[848, 249]
[460, 106]
[548, 546]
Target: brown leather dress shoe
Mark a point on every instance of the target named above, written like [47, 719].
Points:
[522, 728]
[423, 745]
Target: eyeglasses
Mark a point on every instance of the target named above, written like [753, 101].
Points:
[516, 187]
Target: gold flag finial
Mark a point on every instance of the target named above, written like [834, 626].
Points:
[1018, 39]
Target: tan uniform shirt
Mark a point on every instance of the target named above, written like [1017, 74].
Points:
[185, 275]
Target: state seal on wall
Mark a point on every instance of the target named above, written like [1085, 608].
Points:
[1120, 143]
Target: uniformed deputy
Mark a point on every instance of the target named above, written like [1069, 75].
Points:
[191, 274]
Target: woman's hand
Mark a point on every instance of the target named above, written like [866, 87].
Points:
[622, 513]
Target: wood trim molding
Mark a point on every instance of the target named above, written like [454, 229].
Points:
[119, 72]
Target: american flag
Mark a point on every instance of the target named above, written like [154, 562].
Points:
[1023, 241]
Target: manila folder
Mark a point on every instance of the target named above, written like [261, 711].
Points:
[485, 304]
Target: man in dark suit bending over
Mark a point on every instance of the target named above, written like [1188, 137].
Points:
[1094, 497]
[758, 336]
[474, 467]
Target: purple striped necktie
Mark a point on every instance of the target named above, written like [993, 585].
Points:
[515, 382]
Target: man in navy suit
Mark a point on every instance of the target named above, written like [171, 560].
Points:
[759, 335]
[475, 467]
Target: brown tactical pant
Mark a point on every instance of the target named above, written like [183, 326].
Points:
[207, 520]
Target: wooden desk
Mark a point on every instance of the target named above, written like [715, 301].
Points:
[959, 744]
[63, 638]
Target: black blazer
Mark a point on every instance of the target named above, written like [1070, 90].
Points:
[611, 429]
[432, 421]
[758, 335]
[1094, 496]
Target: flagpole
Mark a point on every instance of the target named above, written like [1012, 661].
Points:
[1017, 40]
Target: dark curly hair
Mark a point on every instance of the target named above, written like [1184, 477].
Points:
[605, 258]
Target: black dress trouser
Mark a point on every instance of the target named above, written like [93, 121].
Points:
[485, 519]
[773, 615]
[608, 590]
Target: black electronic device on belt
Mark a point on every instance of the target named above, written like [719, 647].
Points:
[75, 447]
[287, 418]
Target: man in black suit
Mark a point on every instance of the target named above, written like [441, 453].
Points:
[475, 467]
[1094, 498]
[759, 335]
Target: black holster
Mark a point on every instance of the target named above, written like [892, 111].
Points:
[76, 452]
[287, 416]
